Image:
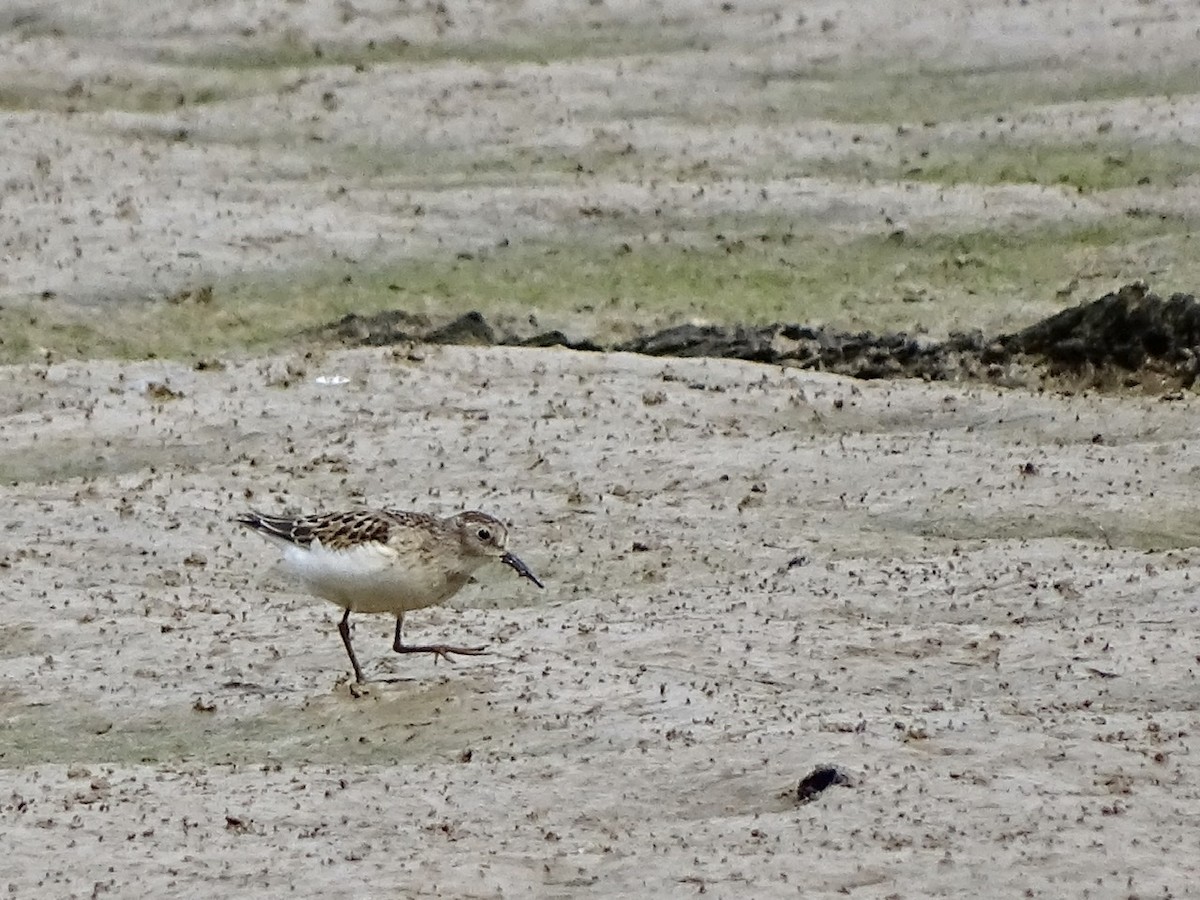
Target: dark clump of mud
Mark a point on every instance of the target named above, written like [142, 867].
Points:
[1131, 338]
[861, 354]
[1132, 330]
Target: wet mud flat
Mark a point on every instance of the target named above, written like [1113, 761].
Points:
[889, 616]
[972, 603]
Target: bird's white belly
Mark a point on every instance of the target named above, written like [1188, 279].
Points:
[371, 578]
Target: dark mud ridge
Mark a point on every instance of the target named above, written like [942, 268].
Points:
[1128, 339]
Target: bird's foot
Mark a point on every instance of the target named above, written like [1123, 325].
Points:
[440, 651]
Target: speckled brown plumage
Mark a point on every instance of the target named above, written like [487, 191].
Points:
[335, 531]
[387, 560]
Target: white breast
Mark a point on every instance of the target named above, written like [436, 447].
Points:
[371, 578]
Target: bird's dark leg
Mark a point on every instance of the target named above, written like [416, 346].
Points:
[438, 650]
[344, 631]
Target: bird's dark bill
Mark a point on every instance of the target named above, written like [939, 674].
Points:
[523, 570]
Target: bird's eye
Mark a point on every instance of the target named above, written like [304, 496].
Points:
[484, 534]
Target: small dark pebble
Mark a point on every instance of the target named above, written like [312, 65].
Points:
[819, 779]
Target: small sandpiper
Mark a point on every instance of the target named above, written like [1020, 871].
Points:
[387, 561]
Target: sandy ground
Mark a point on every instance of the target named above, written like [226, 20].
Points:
[976, 601]
[965, 597]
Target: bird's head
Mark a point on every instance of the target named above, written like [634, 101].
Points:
[483, 535]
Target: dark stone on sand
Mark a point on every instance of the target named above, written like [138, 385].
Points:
[820, 779]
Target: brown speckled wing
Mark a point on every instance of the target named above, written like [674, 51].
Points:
[406, 519]
[335, 531]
